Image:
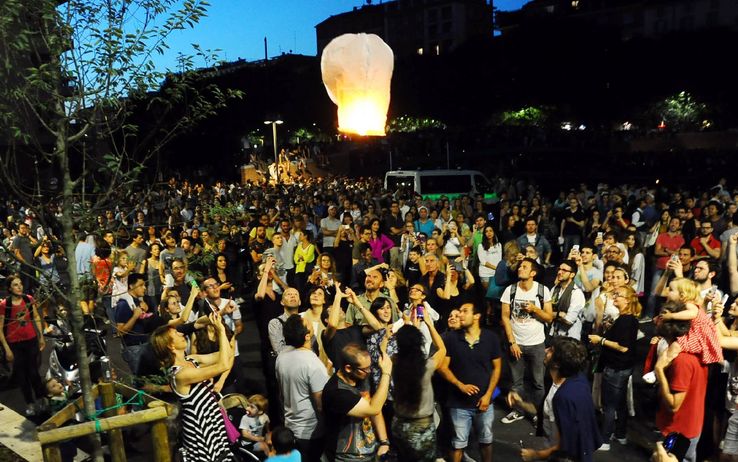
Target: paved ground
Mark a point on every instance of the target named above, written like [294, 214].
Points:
[507, 437]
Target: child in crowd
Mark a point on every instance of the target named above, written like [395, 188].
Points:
[255, 424]
[56, 395]
[121, 270]
[282, 445]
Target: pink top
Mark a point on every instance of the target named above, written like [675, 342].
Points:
[702, 340]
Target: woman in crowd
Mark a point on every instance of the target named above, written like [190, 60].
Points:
[593, 225]
[313, 315]
[413, 429]
[21, 337]
[344, 244]
[489, 253]
[636, 263]
[617, 358]
[379, 241]
[452, 242]
[204, 436]
[304, 257]
[220, 271]
[324, 275]
[154, 284]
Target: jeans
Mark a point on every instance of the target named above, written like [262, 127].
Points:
[107, 303]
[132, 355]
[532, 361]
[571, 240]
[614, 394]
[651, 303]
[311, 450]
[691, 454]
[464, 419]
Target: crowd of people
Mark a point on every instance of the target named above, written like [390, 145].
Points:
[386, 320]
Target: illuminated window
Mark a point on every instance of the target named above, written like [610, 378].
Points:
[420, 51]
[575, 4]
[438, 49]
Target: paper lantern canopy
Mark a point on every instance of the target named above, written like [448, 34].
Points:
[357, 72]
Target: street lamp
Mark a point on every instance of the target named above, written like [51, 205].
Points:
[274, 124]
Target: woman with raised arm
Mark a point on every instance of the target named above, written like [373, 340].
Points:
[203, 432]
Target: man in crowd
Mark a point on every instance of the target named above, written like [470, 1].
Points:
[568, 302]
[572, 225]
[355, 428]
[588, 277]
[365, 235]
[329, 227]
[136, 250]
[667, 244]
[131, 313]
[473, 367]
[706, 244]
[287, 250]
[374, 282]
[531, 236]
[302, 376]
[526, 308]
[682, 384]
[258, 244]
[23, 247]
[394, 223]
[290, 305]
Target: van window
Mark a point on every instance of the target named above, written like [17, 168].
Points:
[394, 182]
[481, 184]
[445, 184]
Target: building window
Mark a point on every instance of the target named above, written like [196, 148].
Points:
[420, 51]
[438, 50]
[446, 27]
[575, 4]
[432, 15]
[432, 30]
[446, 12]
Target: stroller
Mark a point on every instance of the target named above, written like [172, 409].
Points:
[234, 405]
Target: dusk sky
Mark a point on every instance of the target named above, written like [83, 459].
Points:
[238, 27]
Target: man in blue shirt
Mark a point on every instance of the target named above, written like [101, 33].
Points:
[473, 367]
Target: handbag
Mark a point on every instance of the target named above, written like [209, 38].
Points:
[231, 430]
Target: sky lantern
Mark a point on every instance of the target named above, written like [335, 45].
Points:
[357, 72]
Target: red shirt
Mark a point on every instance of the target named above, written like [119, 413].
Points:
[19, 325]
[699, 249]
[685, 374]
[668, 242]
[102, 269]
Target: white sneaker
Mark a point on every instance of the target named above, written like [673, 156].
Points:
[604, 447]
[465, 458]
[650, 378]
[513, 416]
[622, 441]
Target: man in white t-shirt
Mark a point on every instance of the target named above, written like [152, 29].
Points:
[526, 308]
[329, 227]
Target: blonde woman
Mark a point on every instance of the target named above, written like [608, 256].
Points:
[617, 358]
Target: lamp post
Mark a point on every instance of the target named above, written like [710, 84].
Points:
[274, 124]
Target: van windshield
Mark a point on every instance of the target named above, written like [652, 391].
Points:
[445, 184]
[395, 182]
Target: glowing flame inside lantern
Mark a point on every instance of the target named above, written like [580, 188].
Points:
[357, 72]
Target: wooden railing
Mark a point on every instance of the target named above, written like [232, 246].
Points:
[54, 431]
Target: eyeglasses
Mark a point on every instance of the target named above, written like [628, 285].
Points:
[565, 270]
[211, 286]
[365, 370]
[417, 290]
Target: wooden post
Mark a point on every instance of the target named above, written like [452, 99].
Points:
[115, 436]
[52, 453]
[160, 436]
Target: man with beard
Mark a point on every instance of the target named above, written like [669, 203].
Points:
[706, 245]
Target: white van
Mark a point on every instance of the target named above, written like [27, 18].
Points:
[432, 184]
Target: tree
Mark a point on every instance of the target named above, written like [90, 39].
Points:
[678, 112]
[73, 72]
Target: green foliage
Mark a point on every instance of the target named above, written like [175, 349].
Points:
[410, 124]
[529, 116]
[679, 112]
[304, 134]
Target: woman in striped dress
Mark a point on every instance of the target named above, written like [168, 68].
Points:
[203, 431]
